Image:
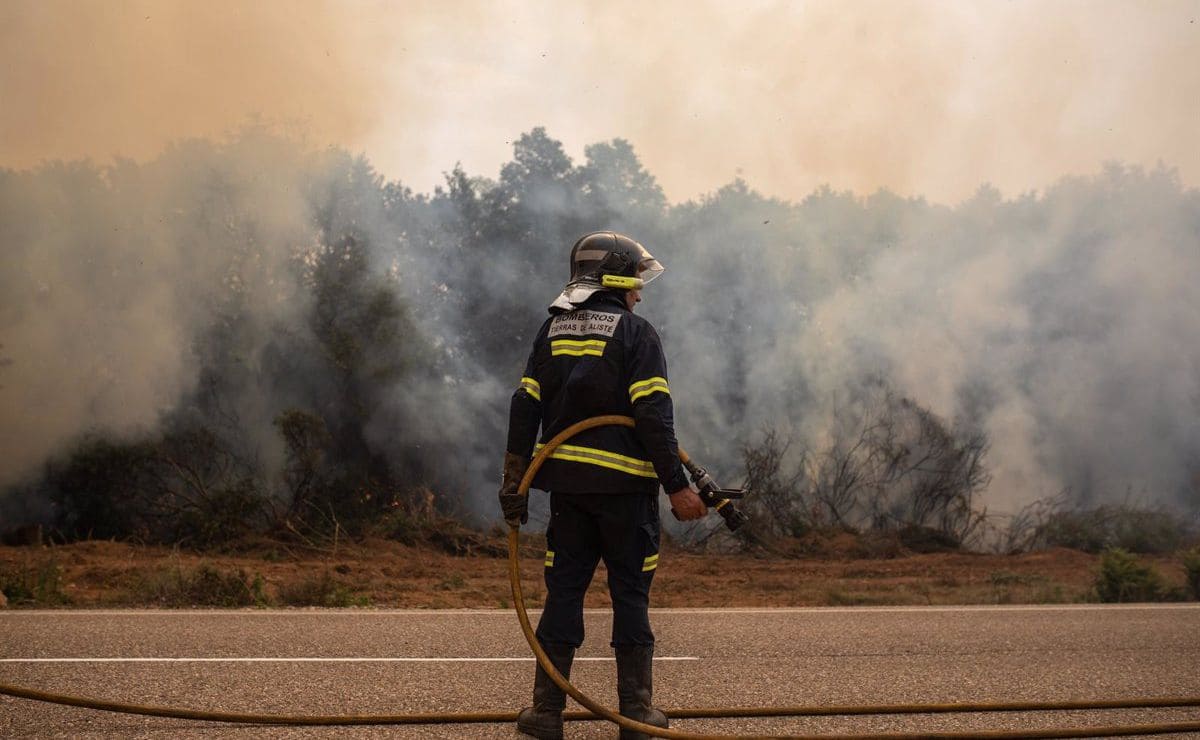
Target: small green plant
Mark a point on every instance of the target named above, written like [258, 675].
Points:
[1000, 578]
[259, 590]
[839, 597]
[400, 525]
[1004, 582]
[204, 586]
[34, 584]
[1051, 594]
[1122, 578]
[321, 590]
[1191, 571]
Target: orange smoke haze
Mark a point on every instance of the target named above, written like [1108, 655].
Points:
[98, 79]
[924, 98]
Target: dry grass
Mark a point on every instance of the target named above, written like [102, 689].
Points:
[385, 573]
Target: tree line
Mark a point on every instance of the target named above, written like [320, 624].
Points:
[330, 351]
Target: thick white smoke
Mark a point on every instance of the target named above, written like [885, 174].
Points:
[112, 277]
[1060, 322]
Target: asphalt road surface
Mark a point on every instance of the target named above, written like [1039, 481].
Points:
[373, 662]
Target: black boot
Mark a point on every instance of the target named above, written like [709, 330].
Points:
[544, 719]
[635, 681]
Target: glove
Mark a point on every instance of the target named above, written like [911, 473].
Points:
[514, 505]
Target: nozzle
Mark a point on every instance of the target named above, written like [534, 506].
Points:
[718, 498]
[734, 517]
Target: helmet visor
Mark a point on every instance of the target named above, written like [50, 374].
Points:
[648, 267]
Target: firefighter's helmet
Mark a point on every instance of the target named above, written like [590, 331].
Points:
[606, 260]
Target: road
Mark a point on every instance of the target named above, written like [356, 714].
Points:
[362, 661]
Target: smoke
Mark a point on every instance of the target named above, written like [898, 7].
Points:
[100, 79]
[922, 98]
[113, 276]
[1058, 322]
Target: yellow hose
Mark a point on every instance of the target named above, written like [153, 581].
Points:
[440, 718]
[598, 711]
[514, 577]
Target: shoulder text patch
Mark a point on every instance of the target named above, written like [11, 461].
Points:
[584, 323]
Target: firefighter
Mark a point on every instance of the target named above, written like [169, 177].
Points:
[594, 356]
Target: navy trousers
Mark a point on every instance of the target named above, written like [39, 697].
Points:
[624, 530]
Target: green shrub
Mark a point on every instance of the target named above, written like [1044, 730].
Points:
[1191, 571]
[1106, 527]
[34, 584]
[922, 539]
[1122, 578]
[451, 583]
[321, 590]
[184, 486]
[100, 488]
[399, 525]
[225, 515]
[204, 586]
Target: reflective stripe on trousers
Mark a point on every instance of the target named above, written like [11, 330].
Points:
[622, 529]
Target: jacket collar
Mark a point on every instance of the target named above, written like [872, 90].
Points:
[606, 299]
[603, 298]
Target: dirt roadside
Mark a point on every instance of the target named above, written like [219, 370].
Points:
[387, 574]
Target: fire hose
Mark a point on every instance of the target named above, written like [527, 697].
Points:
[599, 711]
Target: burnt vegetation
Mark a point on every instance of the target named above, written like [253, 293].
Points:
[344, 349]
[888, 466]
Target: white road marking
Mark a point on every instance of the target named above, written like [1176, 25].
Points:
[964, 608]
[508, 613]
[530, 659]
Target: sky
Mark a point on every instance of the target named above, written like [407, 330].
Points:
[927, 99]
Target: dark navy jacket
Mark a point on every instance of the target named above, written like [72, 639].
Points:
[598, 359]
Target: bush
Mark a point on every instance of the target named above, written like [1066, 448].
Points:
[205, 586]
[184, 486]
[1061, 521]
[1191, 571]
[779, 505]
[927, 539]
[1122, 579]
[224, 515]
[37, 584]
[99, 488]
[322, 590]
[887, 464]
[1123, 527]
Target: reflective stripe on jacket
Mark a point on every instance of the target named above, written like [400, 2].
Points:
[598, 359]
